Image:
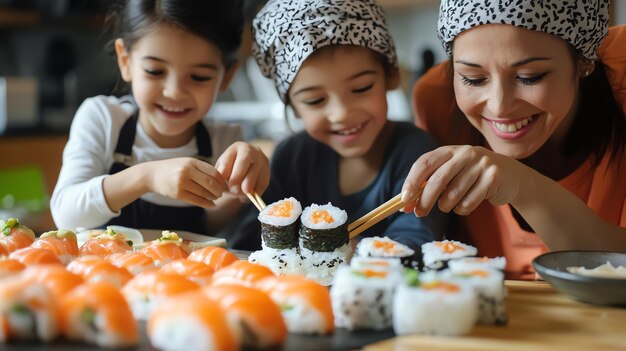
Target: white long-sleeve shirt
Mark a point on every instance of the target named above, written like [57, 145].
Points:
[78, 198]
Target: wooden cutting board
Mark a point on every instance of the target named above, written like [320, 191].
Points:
[540, 318]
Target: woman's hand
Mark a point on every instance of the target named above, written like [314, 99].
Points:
[245, 168]
[461, 177]
[187, 179]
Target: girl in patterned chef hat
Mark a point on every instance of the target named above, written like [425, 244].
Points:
[544, 164]
[333, 62]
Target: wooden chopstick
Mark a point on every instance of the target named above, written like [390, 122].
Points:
[373, 212]
[260, 201]
[254, 202]
[381, 212]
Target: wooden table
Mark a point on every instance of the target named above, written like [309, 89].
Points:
[540, 318]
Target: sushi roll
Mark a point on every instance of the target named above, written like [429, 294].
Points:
[55, 278]
[9, 267]
[252, 315]
[195, 271]
[165, 249]
[323, 241]
[436, 254]
[147, 290]
[98, 314]
[190, 322]
[80, 264]
[489, 286]
[107, 272]
[31, 256]
[27, 311]
[107, 243]
[362, 297]
[61, 242]
[134, 262]
[130, 234]
[15, 236]
[279, 224]
[498, 263]
[434, 306]
[305, 305]
[377, 264]
[241, 273]
[387, 248]
[214, 257]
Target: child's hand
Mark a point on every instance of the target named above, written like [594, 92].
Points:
[187, 179]
[245, 168]
[464, 176]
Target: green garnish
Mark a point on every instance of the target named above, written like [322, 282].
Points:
[286, 307]
[20, 309]
[412, 277]
[129, 242]
[8, 225]
[110, 232]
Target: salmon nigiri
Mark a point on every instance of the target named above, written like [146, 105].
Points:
[195, 271]
[305, 304]
[241, 273]
[252, 315]
[135, 262]
[61, 242]
[97, 313]
[148, 289]
[215, 257]
[10, 267]
[190, 321]
[167, 248]
[107, 243]
[29, 256]
[15, 236]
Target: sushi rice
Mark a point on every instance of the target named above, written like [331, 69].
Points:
[436, 254]
[498, 263]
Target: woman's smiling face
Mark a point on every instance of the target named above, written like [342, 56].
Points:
[516, 86]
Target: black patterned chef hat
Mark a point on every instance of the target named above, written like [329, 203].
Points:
[582, 23]
[286, 32]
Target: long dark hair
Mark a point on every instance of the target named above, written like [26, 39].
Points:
[219, 22]
[599, 125]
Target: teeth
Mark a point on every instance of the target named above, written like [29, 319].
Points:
[513, 127]
[172, 109]
[350, 131]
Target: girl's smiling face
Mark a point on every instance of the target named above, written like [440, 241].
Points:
[340, 94]
[516, 86]
[175, 76]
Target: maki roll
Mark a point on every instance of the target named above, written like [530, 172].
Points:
[97, 313]
[436, 254]
[362, 297]
[279, 238]
[387, 248]
[433, 306]
[279, 224]
[489, 286]
[323, 241]
[305, 305]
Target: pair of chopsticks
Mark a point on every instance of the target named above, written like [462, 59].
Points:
[256, 200]
[381, 212]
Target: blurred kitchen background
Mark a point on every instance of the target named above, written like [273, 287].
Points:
[52, 57]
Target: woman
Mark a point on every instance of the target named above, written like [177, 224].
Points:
[544, 133]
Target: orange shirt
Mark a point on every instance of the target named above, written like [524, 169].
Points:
[493, 229]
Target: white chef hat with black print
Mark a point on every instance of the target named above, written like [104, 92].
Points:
[582, 23]
[286, 32]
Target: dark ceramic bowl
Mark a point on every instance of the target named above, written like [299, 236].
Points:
[552, 267]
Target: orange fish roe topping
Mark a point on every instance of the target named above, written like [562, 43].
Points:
[479, 273]
[448, 247]
[282, 209]
[379, 263]
[370, 273]
[479, 259]
[385, 246]
[321, 215]
[443, 286]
